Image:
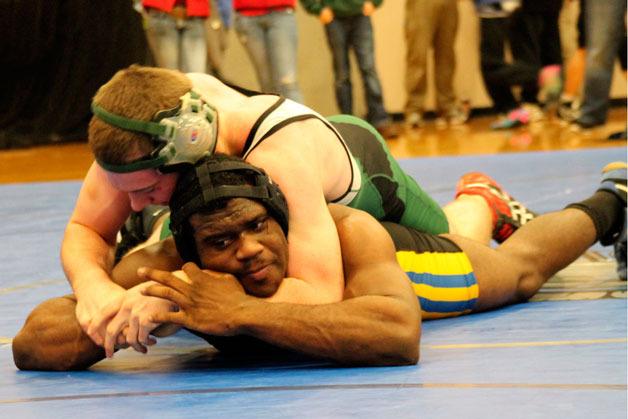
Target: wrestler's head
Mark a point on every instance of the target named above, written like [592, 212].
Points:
[148, 122]
[228, 216]
[138, 93]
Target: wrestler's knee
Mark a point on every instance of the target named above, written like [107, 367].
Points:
[525, 261]
[530, 281]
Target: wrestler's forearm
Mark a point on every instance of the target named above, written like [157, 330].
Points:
[368, 330]
[161, 255]
[297, 291]
[313, 282]
[86, 257]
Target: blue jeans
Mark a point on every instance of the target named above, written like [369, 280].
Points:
[604, 23]
[178, 45]
[271, 41]
[356, 32]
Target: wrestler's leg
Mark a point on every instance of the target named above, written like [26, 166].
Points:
[470, 216]
[52, 339]
[516, 270]
[483, 210]
[546, 244]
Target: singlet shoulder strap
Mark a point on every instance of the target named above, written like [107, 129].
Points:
[281, 113]
[251, 139]
[284, 112]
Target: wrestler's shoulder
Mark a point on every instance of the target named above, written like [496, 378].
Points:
[346, 216]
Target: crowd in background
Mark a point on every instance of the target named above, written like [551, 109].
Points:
[520, 52]
[520, 55]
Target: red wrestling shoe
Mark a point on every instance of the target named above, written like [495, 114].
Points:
[507, 213]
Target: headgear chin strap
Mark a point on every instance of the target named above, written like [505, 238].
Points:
[183, 134]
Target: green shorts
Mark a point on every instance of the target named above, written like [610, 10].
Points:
[381, 187]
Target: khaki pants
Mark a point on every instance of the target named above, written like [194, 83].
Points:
[430, 24]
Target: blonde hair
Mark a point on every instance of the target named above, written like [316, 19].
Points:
[135, 92]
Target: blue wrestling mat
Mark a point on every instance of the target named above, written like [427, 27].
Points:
[562, 356]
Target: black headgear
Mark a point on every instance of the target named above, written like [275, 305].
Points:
[199, 187]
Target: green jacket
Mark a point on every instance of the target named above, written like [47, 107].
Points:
[341, 8]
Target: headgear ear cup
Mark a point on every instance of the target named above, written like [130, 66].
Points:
[192, 137]
[192, 133]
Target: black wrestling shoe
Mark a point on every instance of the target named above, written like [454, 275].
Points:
[137, 229]
[614, 181]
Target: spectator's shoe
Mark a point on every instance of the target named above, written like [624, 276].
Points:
[137, 229]
[614, 181]
[414, 120]
[440, 122]
[507, 213]
[388, 130]
[458, 115]
[619, 135]
[550, 83]
[514, 119]
[569, 111]
[535, 112]
[584, 127]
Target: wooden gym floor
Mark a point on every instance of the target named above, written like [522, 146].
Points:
[70, 161]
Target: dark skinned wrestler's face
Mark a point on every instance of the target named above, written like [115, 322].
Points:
[244, 240]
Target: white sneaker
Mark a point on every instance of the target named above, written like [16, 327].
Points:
[535, 112]
[414, 120]
[457, 116]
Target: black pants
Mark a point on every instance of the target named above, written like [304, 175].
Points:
[534, 41]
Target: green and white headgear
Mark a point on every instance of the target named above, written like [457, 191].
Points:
[182, 134]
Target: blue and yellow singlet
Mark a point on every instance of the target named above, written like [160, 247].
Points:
[440, 272]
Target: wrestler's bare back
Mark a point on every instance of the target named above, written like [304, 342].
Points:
[310, 139]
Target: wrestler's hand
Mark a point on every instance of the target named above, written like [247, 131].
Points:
[134, 315]
[368, 8]
[326, 16]
[95, 309]
[209, 304]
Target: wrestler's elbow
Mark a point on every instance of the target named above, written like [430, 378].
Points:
[30, 354]
[398, 343]
[399, 350]
[406, 345]
[408, 330]
[22, 356]
[36, 350]
[52, 340]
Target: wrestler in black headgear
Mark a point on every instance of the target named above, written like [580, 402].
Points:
[208, 185]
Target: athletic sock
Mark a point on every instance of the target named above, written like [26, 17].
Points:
[607, 213]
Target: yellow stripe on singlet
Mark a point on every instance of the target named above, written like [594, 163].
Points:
[435, 263]
[446, 294]
[443, 281]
